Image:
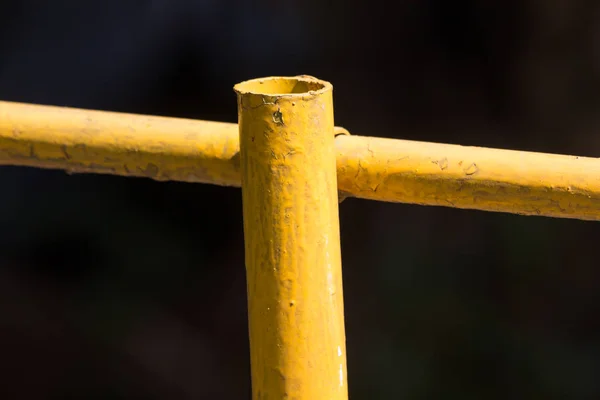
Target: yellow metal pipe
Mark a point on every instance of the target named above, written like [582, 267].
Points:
[469, 177]
[120, 144]
[291, 232]
[373, 168]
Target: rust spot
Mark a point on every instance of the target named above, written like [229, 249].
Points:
[278, 117]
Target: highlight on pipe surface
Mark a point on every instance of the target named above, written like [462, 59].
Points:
[291, 237]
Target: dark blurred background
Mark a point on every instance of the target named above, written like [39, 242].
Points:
[128, 288]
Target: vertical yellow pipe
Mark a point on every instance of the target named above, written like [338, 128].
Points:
[291, 232]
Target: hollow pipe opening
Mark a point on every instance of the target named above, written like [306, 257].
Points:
[283, 86]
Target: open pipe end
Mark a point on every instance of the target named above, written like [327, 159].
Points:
[296, 86]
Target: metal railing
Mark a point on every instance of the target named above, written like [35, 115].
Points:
[294, 166]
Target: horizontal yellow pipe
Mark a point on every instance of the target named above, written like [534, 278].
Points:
[477, 178]
[120, 144]
[371, 168]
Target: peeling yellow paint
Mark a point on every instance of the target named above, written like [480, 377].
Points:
[373, 168]
[291, 229]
